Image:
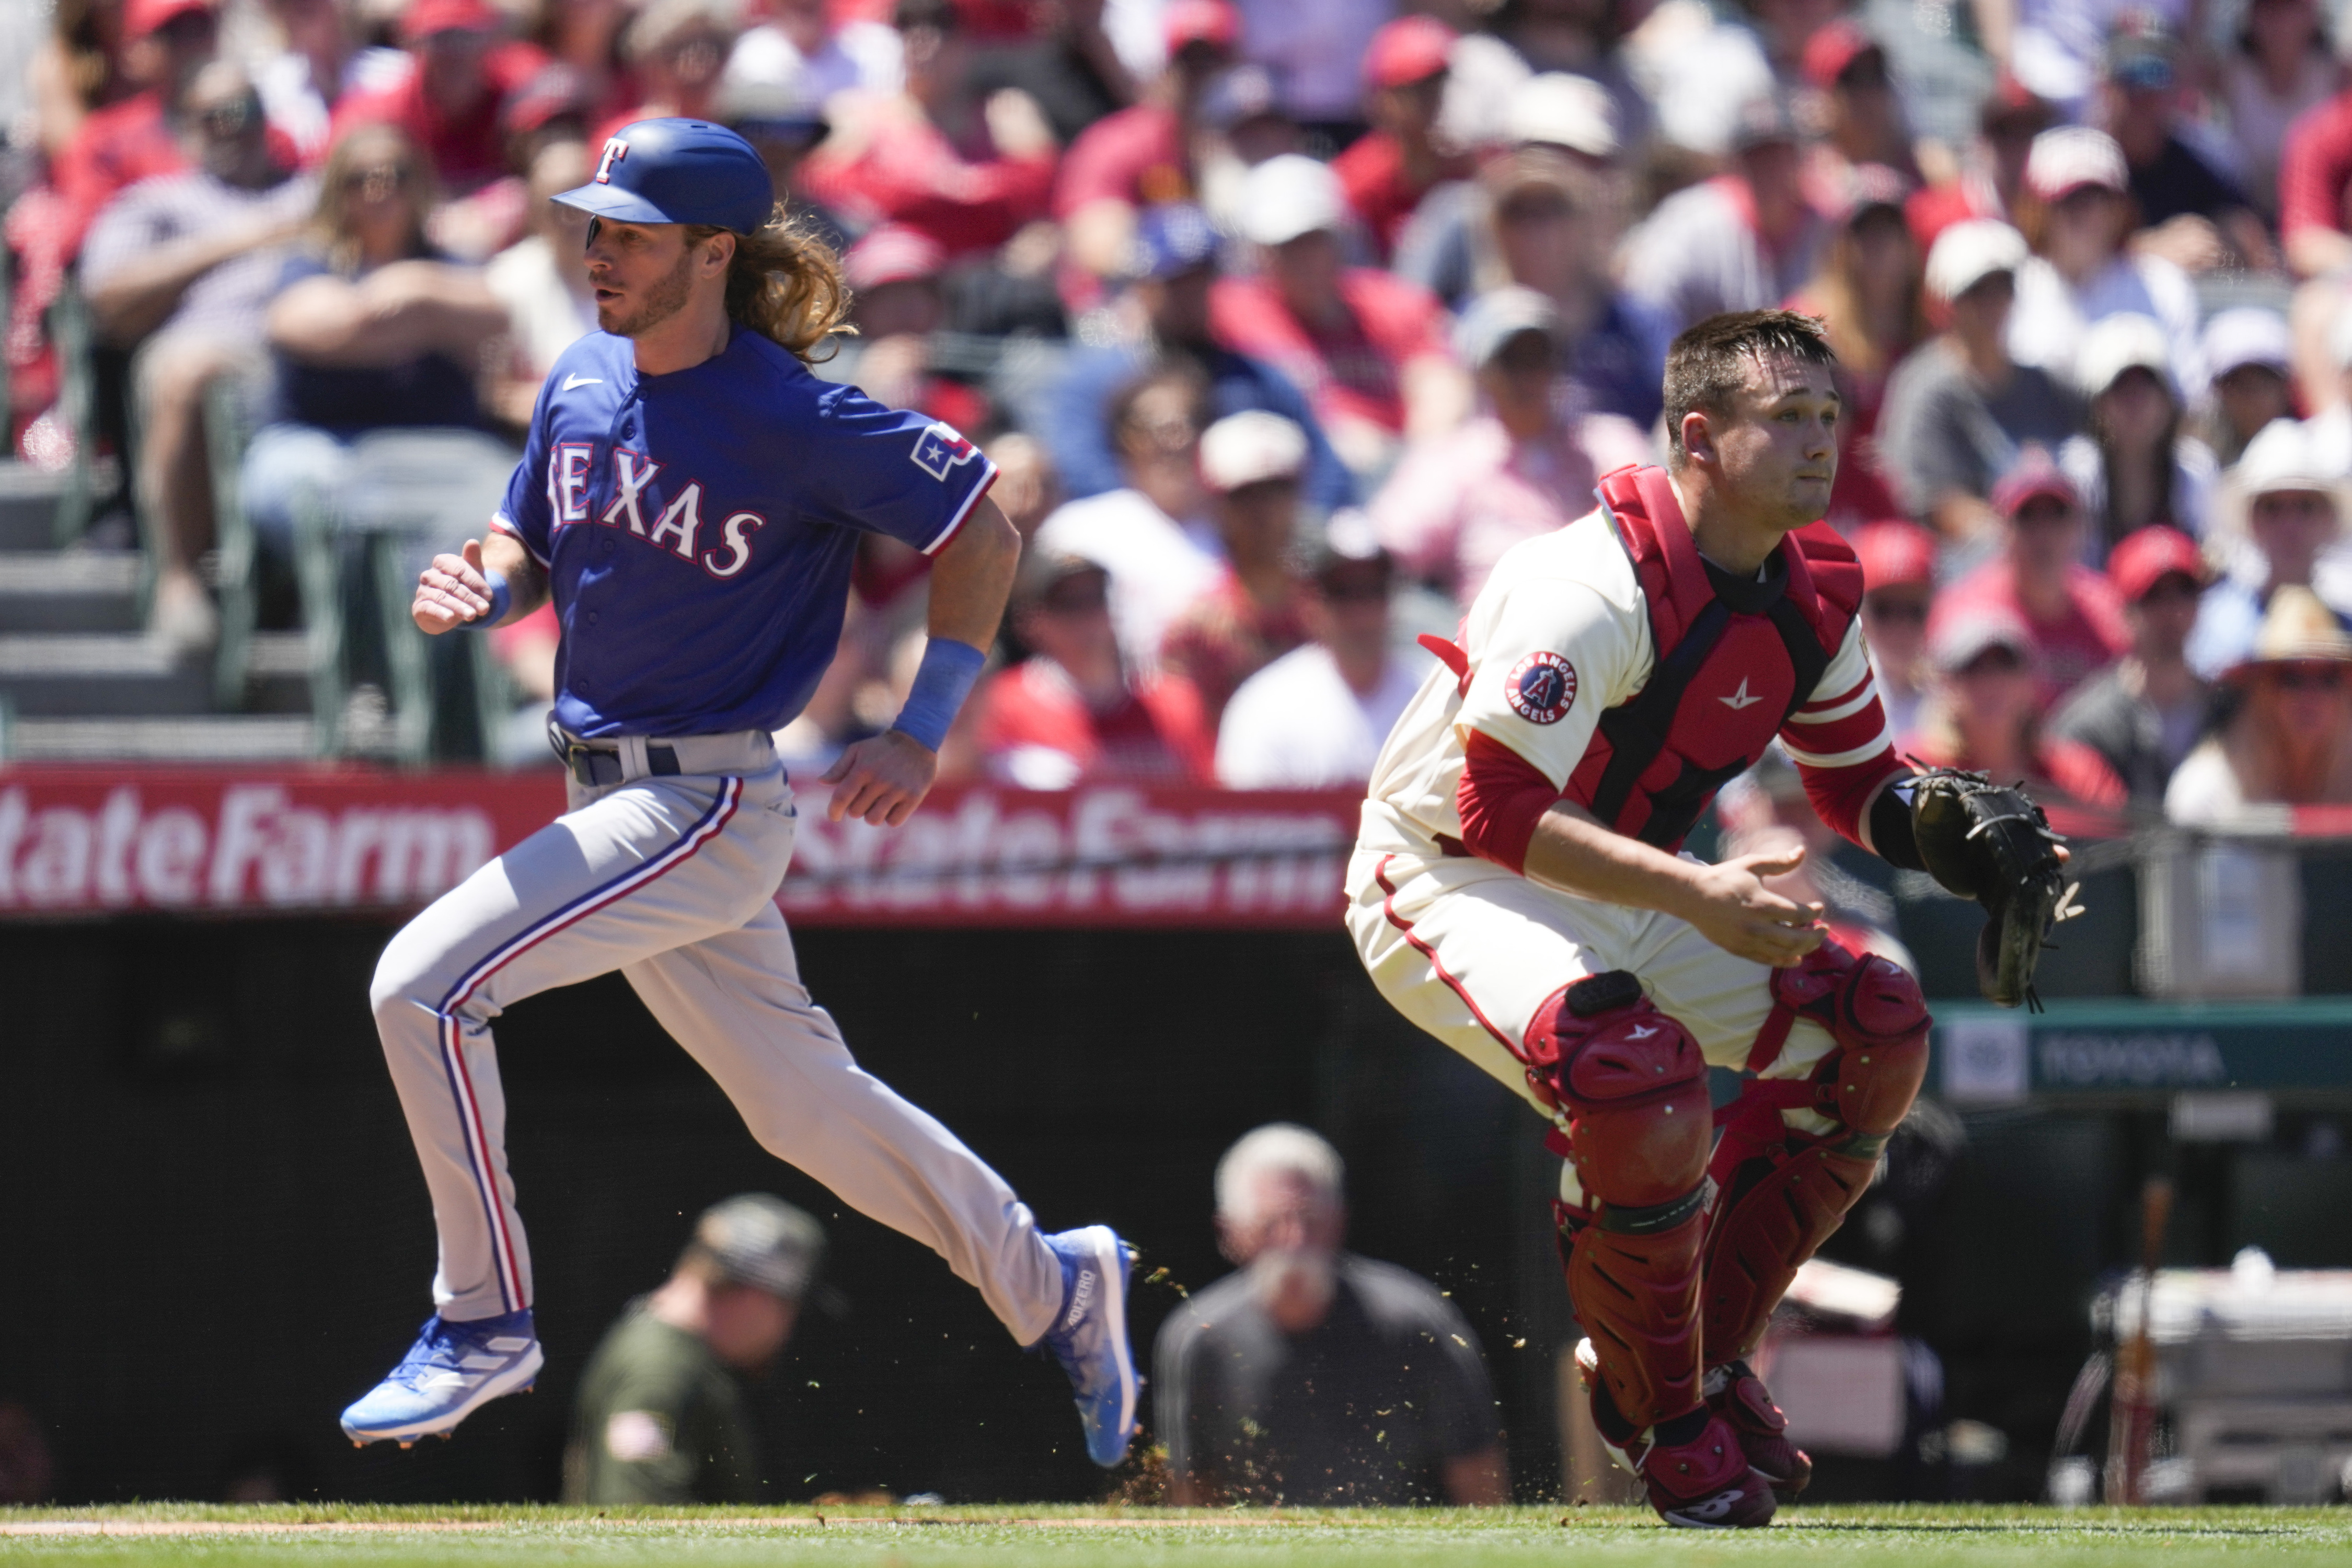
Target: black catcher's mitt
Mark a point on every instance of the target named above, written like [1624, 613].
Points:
[1989, 842]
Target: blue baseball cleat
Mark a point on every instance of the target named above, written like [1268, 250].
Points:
[1089, 1339]
[452, 1371]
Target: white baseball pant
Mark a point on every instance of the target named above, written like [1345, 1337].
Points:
[671, 881]
[1470, 950]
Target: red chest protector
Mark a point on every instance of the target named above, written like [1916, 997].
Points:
[1734, 661]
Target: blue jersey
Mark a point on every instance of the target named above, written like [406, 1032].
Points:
[698, 528]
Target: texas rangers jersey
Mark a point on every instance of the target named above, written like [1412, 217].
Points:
[698, 528]
[1558, 635]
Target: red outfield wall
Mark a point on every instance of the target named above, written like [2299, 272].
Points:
[89, 841]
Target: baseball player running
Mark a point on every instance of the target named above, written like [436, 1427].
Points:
[692, 496]
[1517, 892]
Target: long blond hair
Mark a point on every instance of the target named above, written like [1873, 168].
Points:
[347, 160]
[786, 284]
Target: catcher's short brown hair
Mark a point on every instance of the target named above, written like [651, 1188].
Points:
[1711, 361]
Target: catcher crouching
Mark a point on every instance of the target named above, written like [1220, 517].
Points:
[1518, 891]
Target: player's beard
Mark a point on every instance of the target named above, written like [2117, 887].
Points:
[664, 300]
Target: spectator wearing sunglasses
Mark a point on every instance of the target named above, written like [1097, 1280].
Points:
[2072, 616]
[2293, 517]
[1986, 712]
[2289, 742]
[183, 266]
[1316, 717]
[1074, 711]
[1898, 582]
[2145, 712]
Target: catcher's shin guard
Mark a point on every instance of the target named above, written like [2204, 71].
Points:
[1634, 1087]
[1783, 1194]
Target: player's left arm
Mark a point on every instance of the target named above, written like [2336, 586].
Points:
[883, 779]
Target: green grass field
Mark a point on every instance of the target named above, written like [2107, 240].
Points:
[1055, 1537]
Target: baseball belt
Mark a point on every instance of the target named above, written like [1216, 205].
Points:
[627, 758]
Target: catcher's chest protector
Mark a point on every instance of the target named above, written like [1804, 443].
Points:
[1734, 660]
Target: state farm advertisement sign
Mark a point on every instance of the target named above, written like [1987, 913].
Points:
[78, 842]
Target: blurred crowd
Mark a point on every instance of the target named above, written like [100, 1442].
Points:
[1283, 319]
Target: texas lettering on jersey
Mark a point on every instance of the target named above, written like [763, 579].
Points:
[675, 526]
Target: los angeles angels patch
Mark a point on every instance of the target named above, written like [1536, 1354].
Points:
[1541, 688]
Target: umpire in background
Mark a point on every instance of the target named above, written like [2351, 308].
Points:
[662, 1415]
[1310, 1376]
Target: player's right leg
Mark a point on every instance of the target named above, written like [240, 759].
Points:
[1524, 982]
[635, 871]
[736, 1003]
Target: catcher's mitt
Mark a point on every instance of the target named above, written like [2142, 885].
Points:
[1989, 842]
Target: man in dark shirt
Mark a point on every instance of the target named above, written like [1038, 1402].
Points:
[662, 1417]
[2148, 709]
[1313, 1377]
[2202, 220]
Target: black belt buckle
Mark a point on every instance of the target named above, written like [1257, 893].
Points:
[596, 766]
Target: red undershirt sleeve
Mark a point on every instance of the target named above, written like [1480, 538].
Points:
[1501, 797]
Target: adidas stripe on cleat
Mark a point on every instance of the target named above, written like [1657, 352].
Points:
[453, 1369]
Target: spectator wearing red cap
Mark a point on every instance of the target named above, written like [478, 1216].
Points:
[1255, 609]
[2082, 269]
[2145, 711]
[1076, 710]
[2071, 613]
[1141, 156]
[967, 176]
[1744, 240]
[166, 43]
[1899, 583]
[1986, 712]
[1867, 294]
[1845, 68]
[447, 101]
[1367, 348]
[1960, 409]
[896, 305]
[1387, 171]
[1523, 465]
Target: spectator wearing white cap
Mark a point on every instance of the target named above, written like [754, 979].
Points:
[2136, 464]
[2293, 521]
[1252, 611]
[2250, 357]
[1961, 409]
[1316, 717]
[2082, 271]
[1367, 348]
[1745, 240]
[1523, 466]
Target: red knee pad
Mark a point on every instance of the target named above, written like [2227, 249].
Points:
[1874, 1010]
[1635, 1086]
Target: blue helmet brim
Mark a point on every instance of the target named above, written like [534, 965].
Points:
[612, 202]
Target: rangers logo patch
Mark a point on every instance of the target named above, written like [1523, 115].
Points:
[940, 449]
[1541, 688]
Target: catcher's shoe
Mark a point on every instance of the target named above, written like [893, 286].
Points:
[1089, 1337]
[1735, 1393]
[452, 1371]
[1698, 1474]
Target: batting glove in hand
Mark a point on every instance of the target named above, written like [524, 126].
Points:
[1990, 842]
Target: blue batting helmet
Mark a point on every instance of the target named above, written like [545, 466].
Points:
[678, 170]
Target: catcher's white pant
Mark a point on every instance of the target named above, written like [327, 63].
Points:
[1470, 950]
[671, 881]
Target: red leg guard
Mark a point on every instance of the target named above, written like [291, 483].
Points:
[1785, 1193]
[1635, 1086]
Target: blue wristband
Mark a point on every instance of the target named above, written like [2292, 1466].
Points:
[501, 599]
[941, 683]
